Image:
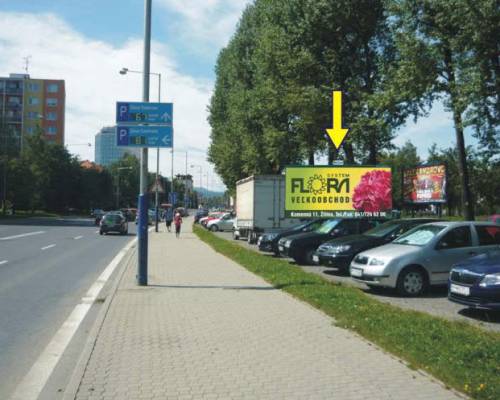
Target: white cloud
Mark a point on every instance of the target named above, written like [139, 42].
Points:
[208, 22]
[93, 84]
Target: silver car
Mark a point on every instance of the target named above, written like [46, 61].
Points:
[422, 256]
[224, 223]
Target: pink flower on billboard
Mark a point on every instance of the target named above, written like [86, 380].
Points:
[373, 193]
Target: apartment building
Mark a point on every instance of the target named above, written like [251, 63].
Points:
[28, 105]
[106, 150]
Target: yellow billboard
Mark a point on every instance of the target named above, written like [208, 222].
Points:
[333, 191]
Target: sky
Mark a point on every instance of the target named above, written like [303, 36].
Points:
[86, 43]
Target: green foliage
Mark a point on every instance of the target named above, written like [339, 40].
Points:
[461, 355]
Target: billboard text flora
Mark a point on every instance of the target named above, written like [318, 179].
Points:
[425, 184]
[337, 191]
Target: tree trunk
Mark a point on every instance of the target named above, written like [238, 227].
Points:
[467, 206]
[311, 157]
[333, 153]
[349, 152]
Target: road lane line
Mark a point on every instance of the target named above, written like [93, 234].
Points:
[22, 235]
[77, 237]
[97, 231]
[48, 247]
[3, 262]
[33, 383]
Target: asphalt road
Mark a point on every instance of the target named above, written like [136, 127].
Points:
[46, 266]
[435, 302]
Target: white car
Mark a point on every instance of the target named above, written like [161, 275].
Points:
[224, 223]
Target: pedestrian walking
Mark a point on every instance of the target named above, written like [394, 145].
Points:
[177, 223]
[169, 216]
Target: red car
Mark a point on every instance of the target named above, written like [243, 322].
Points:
[211, 216]
[495, 218]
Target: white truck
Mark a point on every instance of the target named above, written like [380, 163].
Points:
[260, 205]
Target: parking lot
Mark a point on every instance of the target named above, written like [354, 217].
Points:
[434, 302]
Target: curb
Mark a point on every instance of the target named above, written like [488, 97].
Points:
[76, 377]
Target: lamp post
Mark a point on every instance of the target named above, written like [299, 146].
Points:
[118, 186]
[125, 71]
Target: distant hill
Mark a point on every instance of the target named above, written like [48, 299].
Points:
[208, 193]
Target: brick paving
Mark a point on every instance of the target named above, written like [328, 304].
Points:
[206, 328]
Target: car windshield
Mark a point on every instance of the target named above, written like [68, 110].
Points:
[383, 229]
[328, 225]
[420, 236]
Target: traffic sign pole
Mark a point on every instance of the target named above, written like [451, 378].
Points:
[142, 273]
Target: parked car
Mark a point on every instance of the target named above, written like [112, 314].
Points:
[268, 241]
[200, 213]
[224, 223]
[301, 246]
[113, 222]
[422, 256]
[495, 218]
[340, 252]
[476, 282]
[209, 217]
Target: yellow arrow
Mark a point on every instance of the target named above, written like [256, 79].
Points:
[337, 134]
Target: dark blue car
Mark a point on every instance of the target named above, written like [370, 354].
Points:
[476, 282]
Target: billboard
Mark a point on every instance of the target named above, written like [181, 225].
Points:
[337, 191]
[425, 184]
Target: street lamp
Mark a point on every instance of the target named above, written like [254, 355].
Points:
[79, 144]
[125, 71]
[118, 186]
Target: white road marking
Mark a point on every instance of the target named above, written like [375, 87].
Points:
[77, 237]
[22, 235]
[97, 231]
[48, 247]
[33, 383]
[3, 262]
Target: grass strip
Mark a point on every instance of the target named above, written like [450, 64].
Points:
[462, 356]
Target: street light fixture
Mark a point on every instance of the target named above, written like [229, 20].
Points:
[125, 71]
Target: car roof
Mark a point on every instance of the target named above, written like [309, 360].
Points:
[461, 223]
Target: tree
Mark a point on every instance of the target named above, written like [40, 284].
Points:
[126, 174]
[444, 42]
[399, 160]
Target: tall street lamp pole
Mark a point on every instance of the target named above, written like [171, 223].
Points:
[124, 71]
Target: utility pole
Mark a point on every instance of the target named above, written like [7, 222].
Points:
[157, 163]
[142, 273]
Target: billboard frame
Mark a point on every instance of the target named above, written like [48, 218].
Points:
[337, 213]
[424, 203]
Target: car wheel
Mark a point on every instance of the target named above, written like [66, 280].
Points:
[308, 257]
[412, 281]
[214, 228]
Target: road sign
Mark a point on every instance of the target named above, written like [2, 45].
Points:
[157, 185]
[144, 136]
[144, 113]
[172, 198]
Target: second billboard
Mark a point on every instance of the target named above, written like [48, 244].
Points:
[327, 191]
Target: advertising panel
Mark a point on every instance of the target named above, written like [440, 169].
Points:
[338, 191]
[425, 184]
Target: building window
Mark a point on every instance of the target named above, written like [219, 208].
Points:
[33, 87]
[14, 100]
[51, 116]
[33, 101]
[51, 130]
[51, 102]
[32, 115]
[52, 88]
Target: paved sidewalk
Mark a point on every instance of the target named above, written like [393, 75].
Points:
[206, 328]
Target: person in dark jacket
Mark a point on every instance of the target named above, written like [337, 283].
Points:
[169, 216]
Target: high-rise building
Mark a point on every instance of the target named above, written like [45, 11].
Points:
[106, 150]
[28, 104]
